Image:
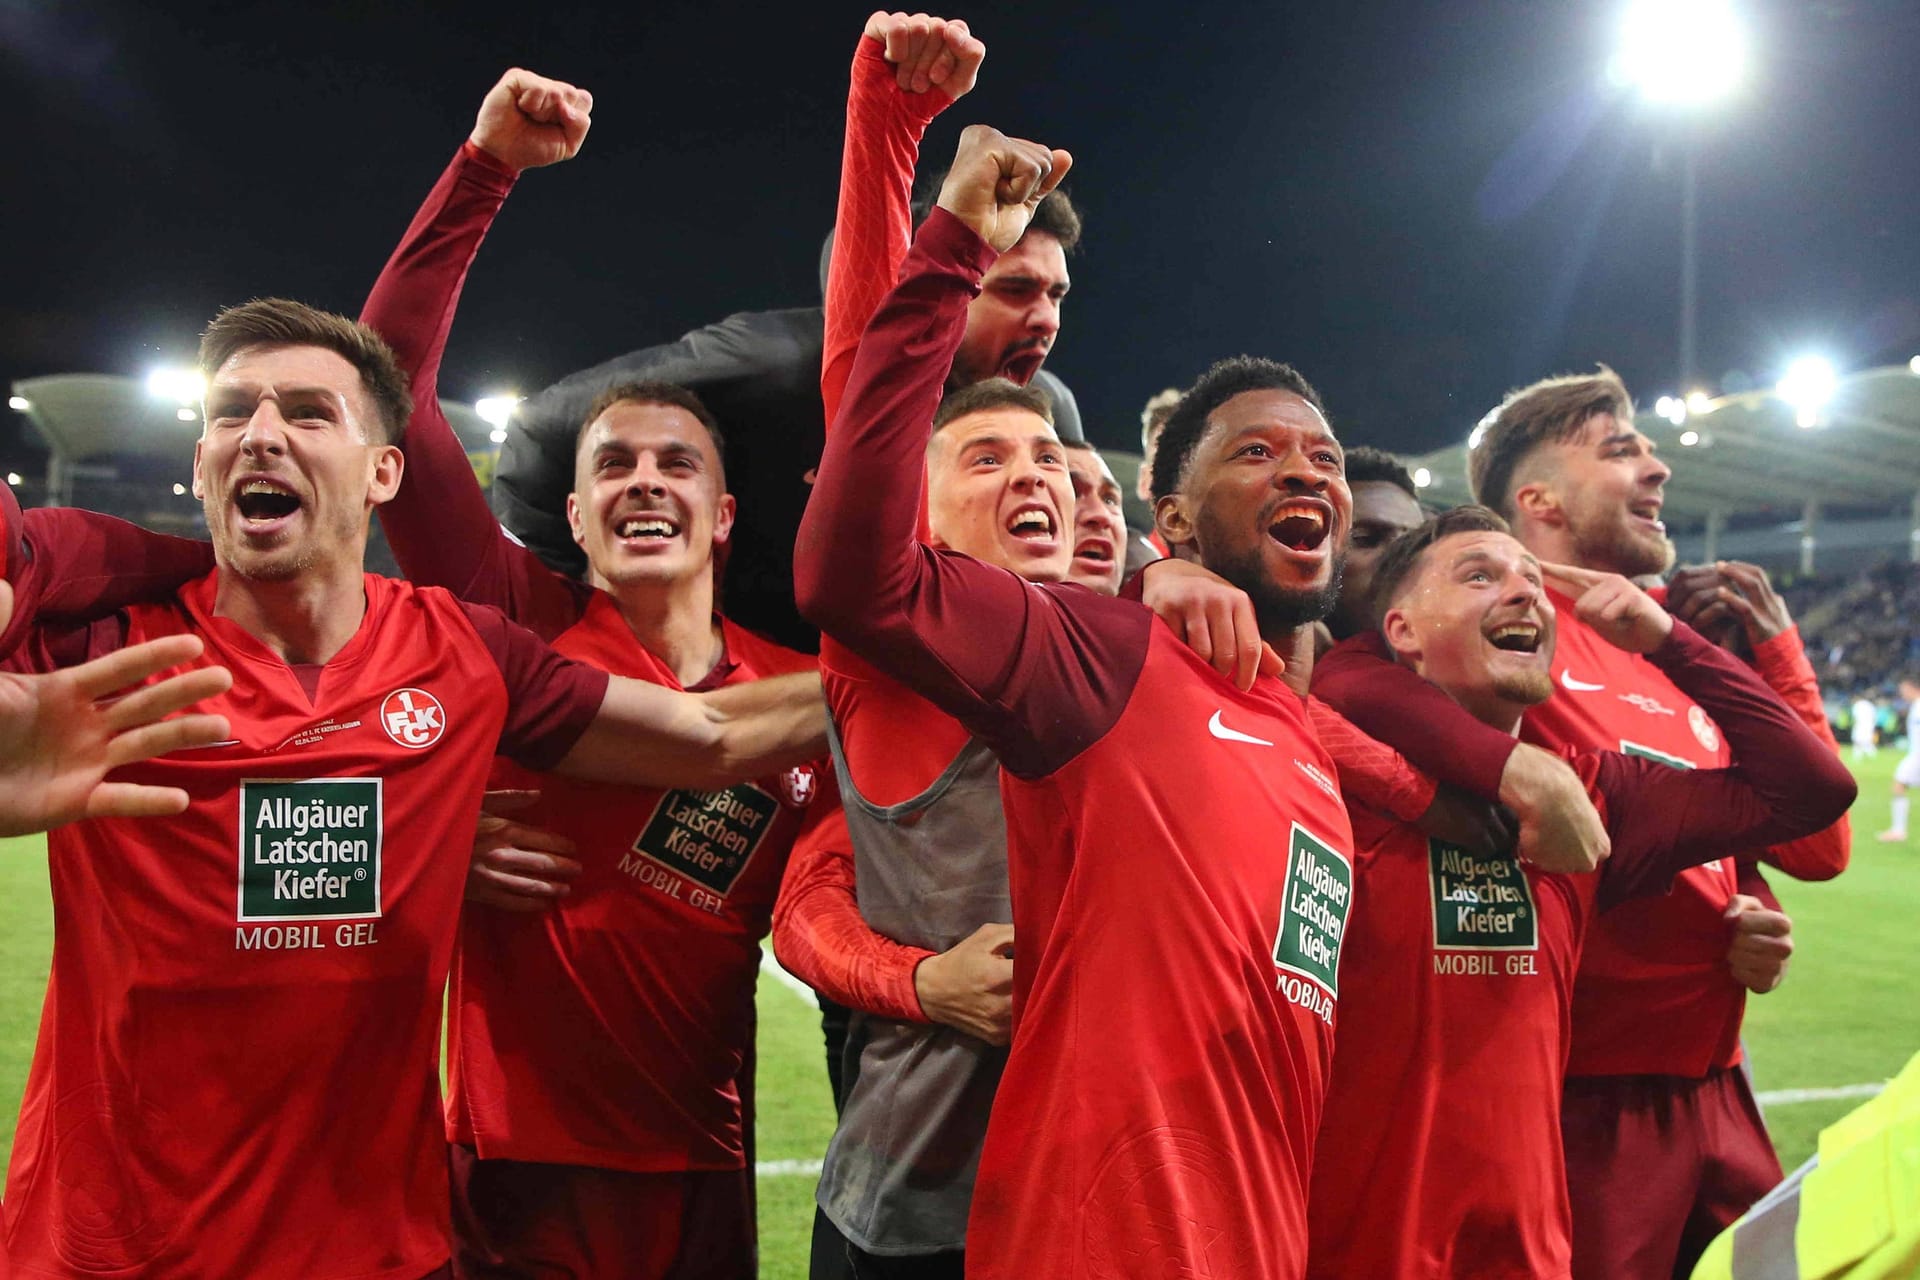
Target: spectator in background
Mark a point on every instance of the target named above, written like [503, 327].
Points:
[1906, 774]
[1153, 420]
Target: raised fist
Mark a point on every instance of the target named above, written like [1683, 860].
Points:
[996, 182]
[527, 120]
[929, 52]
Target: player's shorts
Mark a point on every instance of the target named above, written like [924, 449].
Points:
[1907, 772]
[515, 1219]
[1657, 1166]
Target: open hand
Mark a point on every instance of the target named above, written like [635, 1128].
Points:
[1213, 617]
[517, 867]
[970, 986]
[1729, 601]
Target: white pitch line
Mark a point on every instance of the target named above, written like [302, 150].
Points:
[787, 1168]
[771, 967]
[1785, 1097]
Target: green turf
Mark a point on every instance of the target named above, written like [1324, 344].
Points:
[1845, 1016]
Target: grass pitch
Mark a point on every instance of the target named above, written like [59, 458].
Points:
[1846, 1015]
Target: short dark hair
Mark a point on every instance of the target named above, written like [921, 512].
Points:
[1551, 411]
[1401, 560]
[992, 393]
[282, 322]
[1056, 214]
[670, 394]
[1368, 465]
[1225, 380]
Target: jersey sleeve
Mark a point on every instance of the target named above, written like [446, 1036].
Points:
[550, 699]
[1359, 679]
[1038, 673]
[821, 938]
[69, 565]
[442, 532]
[874, 221]
[1783, 782]
[1371, 773]
[1782, 663]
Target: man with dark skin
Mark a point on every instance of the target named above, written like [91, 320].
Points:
[1385, 505]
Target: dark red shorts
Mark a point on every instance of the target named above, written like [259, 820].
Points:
[521, 1220]
[1657, 1166]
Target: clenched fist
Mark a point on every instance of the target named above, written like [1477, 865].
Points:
[527, 120]
[996, 183]
[929, 52]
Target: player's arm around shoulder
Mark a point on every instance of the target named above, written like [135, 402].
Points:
[646, 735]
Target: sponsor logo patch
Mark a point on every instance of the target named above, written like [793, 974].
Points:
[413, 718]
[1313, 914]
[1704, 730]
[708, 836]
[1480, 903]
[1652, 706]
[310, 848]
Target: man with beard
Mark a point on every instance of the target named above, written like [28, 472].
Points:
[1440, 1151]
[1663, 1138]
[1178, 848]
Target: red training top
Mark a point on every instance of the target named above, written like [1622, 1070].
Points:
[1178, 943]
[236, 1066]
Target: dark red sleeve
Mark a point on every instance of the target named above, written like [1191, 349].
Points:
[1371, 773]
[874, 221]
[1783, 782]
[1037, 673]
[1359, 679]
[550, 699]
[439, 526]
[1782, 663]
[71, 565]
[821, 938]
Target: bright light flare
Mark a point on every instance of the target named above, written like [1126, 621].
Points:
[1680, 51]
[1422, 478]
[20, 404]
[186, 415]
[1913, 364]
[1807, 385]
[179, 490]
[1699, 402]
[496, 410]
[13, 478]
[181, 386]
[1689, 438]
[1672, 408]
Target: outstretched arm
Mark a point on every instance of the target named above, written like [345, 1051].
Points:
[439, 525]
[650, 736]
[907, 69]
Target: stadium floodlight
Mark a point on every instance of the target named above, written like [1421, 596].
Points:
[181, 386]
[20, 404]
[1913, 364]
[1807, 385]
[496, 410]
[1699, 402]
[1422, 477]
[498, 435]
[1686, 52]
[1672, 408]
[186, 415]
[1689, 438]
[13, 478]
[179, 490]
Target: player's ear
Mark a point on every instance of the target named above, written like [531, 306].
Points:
[723, 519]
[1398, 631]
[199, 491]
[385, 466]
[573, 520]
[1174, 520]
[1538, 501]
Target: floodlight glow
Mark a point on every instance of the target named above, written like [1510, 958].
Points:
[13, 477]
[1699, 402]
[185, 414]
[1481, 428]
[179, 490]
[496, 410]
[1680, 51]
[1807, 385]
[20, 404]
[1672, 408]
[1689, 438]
[1913, 364]
[498, 435]
[182, 386]
[1422, 477]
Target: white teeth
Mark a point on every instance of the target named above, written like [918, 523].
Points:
[260, 486]
[1317, 516]
[638, 528]
[1032, 521]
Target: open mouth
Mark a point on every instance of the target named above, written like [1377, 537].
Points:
[1516, 637]
[1094, 551]
[1300, 525]
[1649, 511]
[262, 501]
[1021, 366]
[1032, 524]
[647, 528]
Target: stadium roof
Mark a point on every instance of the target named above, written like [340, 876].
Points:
[92, 417]
[1747, 454]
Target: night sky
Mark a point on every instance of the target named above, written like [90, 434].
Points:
[1420, 205]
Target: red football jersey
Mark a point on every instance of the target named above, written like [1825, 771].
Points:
[1654, 995]
[236, 1069]
[610, 1030]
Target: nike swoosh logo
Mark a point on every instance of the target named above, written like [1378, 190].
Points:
[1225, 734]
[1578, 686]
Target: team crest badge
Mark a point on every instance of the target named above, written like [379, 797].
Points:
[798, 783]
[413, 718]
[1703, 729]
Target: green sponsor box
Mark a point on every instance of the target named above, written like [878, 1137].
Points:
[708, 836]
[1313, 916]
[1480, 902]
[310, 848]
